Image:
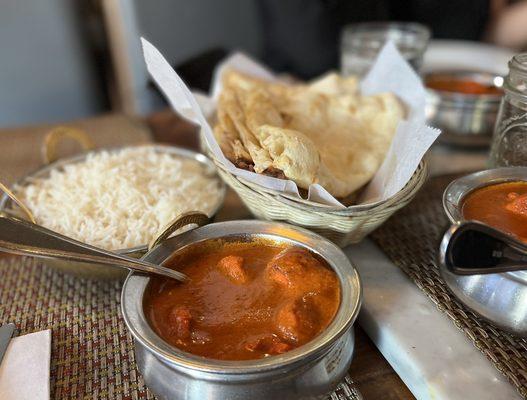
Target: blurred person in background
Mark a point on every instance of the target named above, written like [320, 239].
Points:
[302, 36]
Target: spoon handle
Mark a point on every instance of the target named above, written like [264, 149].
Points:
[21, 237]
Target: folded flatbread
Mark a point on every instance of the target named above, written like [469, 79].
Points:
[324, 132]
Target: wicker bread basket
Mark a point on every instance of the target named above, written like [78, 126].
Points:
[342, 226]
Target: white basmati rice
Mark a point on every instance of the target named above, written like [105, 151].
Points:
[122, 199]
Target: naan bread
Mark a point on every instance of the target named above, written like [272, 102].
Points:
[324, 132]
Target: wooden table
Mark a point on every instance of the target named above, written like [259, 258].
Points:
[21, 154]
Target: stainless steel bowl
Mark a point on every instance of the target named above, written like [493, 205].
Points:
[308, 372]
[498, 298]
[466, 120]
[99, 271]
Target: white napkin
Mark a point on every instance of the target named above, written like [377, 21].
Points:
[390, 73]
[24, 372]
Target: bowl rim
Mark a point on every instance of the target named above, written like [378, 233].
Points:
[163, 148]
[351, 297]
[459, 188]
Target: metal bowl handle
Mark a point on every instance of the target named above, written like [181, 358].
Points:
[191, 217]
[49, 147]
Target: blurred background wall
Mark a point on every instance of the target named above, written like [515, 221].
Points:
[47, 72]
[64, 59]
[181, 30]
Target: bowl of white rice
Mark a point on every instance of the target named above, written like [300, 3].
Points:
[118, 199]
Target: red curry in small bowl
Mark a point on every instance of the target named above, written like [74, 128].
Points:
[462, 86]
[468, 83]
[502, 206]
[244, 300]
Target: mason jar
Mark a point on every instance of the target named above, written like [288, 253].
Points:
[509, 142]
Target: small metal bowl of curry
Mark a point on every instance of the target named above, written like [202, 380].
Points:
[496, 197]
[464, 105]
[267, 313]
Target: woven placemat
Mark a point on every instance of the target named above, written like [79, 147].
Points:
[411, 240]
[92, 354]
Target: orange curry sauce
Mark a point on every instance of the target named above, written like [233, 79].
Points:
[244, 301]
[503, 206]
[463, 86]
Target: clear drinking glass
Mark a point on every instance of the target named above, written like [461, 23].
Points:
[360, 44]
[509, 142]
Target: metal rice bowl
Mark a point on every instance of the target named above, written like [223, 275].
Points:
[307, 372]
[100, 271]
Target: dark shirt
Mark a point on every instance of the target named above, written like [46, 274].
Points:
[302, 36]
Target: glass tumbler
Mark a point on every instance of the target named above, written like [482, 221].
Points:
[509, 142]
[360, 44]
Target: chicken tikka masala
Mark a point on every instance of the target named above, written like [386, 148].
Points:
[244, 301]
[501, 205]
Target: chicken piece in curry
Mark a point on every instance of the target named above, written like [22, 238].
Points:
[244, 301]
